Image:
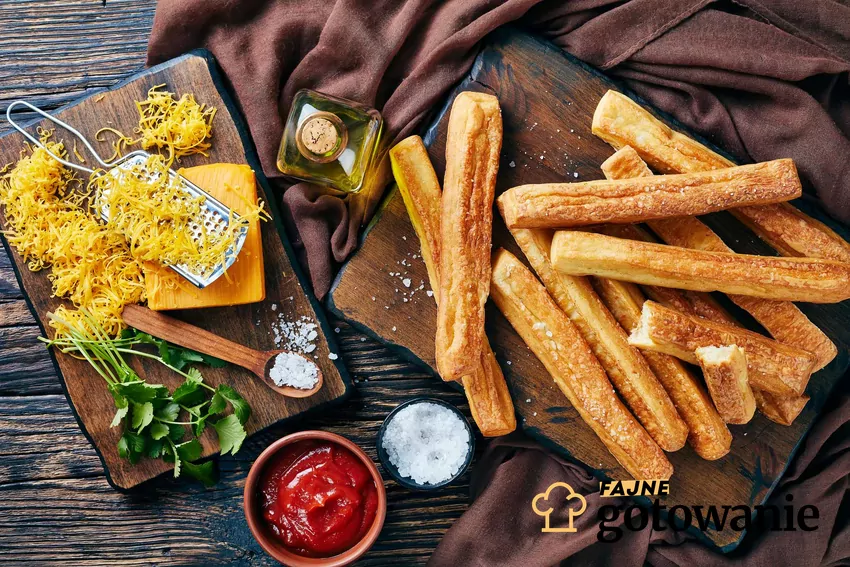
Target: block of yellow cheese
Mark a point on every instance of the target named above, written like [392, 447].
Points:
[235, 186]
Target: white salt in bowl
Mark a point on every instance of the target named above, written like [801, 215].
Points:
[407, 481]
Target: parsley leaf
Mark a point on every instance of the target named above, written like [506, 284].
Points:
[240, 406]
[140, 392]
[158, 431]
[230, 434]
[169, 412]
[205, 472]
[120, 415]
[190, 450]
[142, 415]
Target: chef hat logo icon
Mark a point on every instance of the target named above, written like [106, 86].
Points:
[538, 507]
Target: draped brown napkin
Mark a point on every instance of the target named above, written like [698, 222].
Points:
[762, 78]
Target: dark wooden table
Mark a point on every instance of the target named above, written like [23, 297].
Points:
[56, 505]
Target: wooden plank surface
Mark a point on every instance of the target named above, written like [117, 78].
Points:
[75, 54]
[547, 102]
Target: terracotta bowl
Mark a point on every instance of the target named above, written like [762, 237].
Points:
[254, 512]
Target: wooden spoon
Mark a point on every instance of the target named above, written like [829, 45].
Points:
[190, 336]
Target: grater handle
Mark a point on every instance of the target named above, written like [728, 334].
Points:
[189, 336]
[55, 120]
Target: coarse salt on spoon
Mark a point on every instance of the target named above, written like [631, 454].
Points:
[260, 363]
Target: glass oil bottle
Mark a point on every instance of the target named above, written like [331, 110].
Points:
[329, 140]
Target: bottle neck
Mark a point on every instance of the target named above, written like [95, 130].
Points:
[322, 137]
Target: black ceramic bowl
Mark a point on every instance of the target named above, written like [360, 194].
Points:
[407, 481]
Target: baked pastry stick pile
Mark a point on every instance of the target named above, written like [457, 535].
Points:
[455, 230]
[647, 375]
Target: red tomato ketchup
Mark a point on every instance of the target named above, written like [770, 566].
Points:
[318, 498]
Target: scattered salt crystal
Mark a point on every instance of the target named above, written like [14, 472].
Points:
[336, 330]
[575, 174]
[406, 282]
[295, 371]
[512, 164]
[426, 442]
[274, 306]
[297, 335]
[362, 339]
[333, 355]
[528, 401]
[429, 293]
[393, 329]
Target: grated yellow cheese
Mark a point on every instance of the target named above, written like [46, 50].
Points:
[158, 218]
[49, 225]
[181, 125]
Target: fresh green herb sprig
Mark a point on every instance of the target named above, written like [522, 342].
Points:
[149, 413]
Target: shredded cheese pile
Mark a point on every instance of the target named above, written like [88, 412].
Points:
[159, 218]
[181, 125]
[49, 226]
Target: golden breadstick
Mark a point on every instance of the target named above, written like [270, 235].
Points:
[485, 388]
[472, 161]
[725, 371]
[622, 122]
[773, 366]
[696, 302]
[420, 189]
[782, 319]
[789, 279]
[709, 436]
[566, 205]
[551, 336]
[780, 409]
[794, 233]
[625, 366]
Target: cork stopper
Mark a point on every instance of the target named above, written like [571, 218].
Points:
[321, 137]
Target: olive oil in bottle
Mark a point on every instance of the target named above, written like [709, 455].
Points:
[329, 140]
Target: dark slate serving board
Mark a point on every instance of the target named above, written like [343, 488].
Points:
[248, 324]
[547, 100]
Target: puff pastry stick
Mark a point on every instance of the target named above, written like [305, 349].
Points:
[782, 319]
[772, 366]
[696, 302]
[709, 436]
[566, 205]
[627, 369]
[622, 122]
[420, 189]
[485, 388]
[780, 409]
[786, 324]
[789, 279]
[725, 371]
[472, 161]
[551, 336]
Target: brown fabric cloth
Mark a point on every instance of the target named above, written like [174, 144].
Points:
[762, 78]
[500, 527]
